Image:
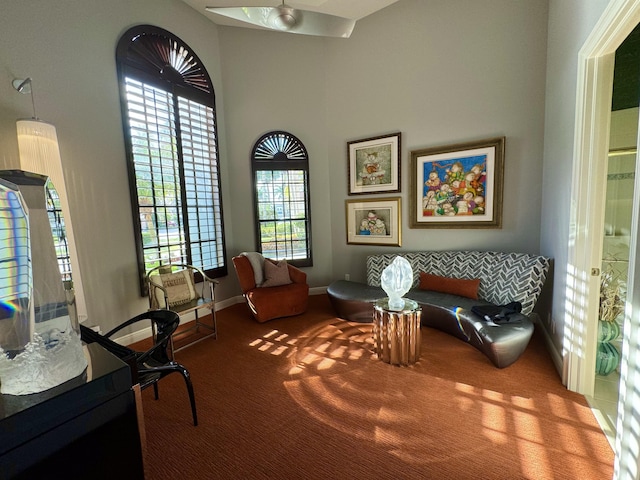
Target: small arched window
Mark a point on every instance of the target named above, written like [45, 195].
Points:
[170, 130]
[280, 166]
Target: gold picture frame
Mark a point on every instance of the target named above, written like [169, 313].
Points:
[374, 164]
[374, 221]
[458, 186]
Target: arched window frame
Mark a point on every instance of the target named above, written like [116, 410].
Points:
[280, 169]
[176, 189]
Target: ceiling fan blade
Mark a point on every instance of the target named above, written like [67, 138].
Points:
[308, 23]
[314, 23]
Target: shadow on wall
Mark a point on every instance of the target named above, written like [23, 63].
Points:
[9, 159]
[544, 309]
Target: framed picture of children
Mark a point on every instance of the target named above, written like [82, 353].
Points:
[374, 221]
[374, 164]
[458, 186]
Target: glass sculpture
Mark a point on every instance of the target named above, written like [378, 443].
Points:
[396, 280]
[40, 346]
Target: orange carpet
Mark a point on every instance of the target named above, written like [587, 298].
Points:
[305, 398]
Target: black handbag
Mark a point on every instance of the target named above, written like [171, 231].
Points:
[509, 313]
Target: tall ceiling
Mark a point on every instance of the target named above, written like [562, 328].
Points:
[353, 9]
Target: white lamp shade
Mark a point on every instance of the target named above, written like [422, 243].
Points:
[38, 146]
[39, 153]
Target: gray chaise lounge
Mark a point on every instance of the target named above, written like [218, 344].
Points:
[504, 278]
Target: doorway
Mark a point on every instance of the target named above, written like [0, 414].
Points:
[595, 84]
[614, 270]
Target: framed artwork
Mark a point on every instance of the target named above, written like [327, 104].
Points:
[458, 186]
[374, 164]
[374, 221]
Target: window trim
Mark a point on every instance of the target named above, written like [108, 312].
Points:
[282, 162]
[130, 64]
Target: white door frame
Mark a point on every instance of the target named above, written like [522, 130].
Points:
[593, 110]
[593, 100]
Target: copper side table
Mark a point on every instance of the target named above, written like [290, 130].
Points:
[396, 333]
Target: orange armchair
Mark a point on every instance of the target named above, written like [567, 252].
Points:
[267, 303]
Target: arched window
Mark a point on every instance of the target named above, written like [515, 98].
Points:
[170, 130]
[280, 167]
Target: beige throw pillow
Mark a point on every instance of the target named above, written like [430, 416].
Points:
[276, 274]
[180, 289]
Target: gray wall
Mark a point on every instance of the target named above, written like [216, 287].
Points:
[68, 48]
[443, 72]
[276, 81]
[570, 23]
[439, 71]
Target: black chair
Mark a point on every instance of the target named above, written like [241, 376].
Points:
[147, 368]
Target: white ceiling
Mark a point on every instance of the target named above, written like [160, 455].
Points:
[354, 9]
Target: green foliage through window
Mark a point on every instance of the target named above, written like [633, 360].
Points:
[172, 148]
[281, 182]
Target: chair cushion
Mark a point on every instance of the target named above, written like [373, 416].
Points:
[276, 274]
[180, 288]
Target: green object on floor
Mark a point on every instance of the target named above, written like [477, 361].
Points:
[608, 331]
[607, 358]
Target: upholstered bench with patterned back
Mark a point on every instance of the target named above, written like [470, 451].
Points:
[448, 284]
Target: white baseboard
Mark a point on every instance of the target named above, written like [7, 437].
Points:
[556, 357]
[145, 333]
[134, 337]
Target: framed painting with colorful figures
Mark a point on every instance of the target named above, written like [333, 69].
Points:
[458, 186]
[375, 221]
[374, 164]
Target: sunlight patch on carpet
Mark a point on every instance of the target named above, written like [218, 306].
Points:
[279, 350]
[310, 399]
[274, 342]
[534, 459]
[494, 420]
[326, 364]
[328, 377]
[272, 333]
